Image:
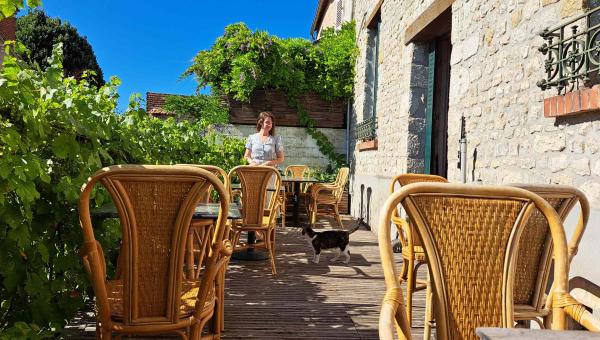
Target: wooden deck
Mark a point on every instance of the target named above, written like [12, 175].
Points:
[305, 300]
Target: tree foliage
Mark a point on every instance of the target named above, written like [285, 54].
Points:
[9, 8]
[241, 61]
[54, 133]
[39, 33]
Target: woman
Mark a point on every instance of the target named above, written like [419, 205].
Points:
[263, 147]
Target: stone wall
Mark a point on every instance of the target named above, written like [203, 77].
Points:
[299, 147]
[495, 65]
[504, 107]
[400, 106]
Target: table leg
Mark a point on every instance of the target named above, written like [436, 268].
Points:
[296, 201]
[250, 254]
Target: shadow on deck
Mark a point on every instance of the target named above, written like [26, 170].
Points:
[305, 300]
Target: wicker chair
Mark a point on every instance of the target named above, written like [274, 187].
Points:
[413, 254]
[254, 181]
[198, 244]
[534, 259]
[325, 197]
[155, 205]
[295, 171]
[471, 236]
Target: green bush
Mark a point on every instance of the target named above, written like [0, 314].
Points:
[54, 133]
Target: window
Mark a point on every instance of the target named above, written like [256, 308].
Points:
[369, 123]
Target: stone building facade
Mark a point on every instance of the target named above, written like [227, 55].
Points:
[494, 65]
[330, 13]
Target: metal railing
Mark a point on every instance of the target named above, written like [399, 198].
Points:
[367, 129]
[572, 52]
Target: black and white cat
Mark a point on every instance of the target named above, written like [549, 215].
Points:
[328, 240]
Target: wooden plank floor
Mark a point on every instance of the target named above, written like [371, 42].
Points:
[305, 300]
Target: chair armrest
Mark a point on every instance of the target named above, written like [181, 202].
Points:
[576, 311]
[317, 188]
[89, 251]
[392, 316]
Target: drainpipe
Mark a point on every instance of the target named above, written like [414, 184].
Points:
[348, 132]
[463, 151]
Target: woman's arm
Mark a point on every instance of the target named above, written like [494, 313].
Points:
[248, 157]
[280, 158]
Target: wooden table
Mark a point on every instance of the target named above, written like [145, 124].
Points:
[203, 211]
[296, 198]
[489, 333]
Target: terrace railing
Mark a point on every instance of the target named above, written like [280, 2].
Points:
[572, 52]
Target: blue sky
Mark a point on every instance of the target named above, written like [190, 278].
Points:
[148, 44]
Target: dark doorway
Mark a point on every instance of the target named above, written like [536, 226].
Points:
[438, 93]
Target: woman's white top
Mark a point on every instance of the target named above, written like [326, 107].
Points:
[260, 151]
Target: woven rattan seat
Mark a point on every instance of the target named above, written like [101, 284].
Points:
[155, 205]
[471, 235]
[255, 203]
[324, 198]
[114, 290]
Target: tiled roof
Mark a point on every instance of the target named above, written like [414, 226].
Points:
[155, 103]
[8, 28]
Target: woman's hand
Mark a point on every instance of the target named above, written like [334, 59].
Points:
[269, 163]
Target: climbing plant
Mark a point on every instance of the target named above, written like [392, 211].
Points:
[242, 61]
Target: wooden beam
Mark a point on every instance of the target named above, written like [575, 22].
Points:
[372, 13]
[415, 30]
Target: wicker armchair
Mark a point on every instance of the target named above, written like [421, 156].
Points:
[325, 197]
[255, 201]
[471, 235]
[198, 244]
[413, 254]
[534, 259]
[295, 171]
[155, 205]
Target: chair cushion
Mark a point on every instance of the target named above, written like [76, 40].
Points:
[114, 290]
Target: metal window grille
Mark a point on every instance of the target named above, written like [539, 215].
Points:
[572, 52]
[367, 129]
[339, 14]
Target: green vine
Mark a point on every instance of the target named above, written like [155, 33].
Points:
[242, 61]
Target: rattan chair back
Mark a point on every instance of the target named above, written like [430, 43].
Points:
[535, 251]
[471, 236]
[406, 237]
[296, 171]
[340, 183]
[254, 181]
[217, 171]
[155, 206]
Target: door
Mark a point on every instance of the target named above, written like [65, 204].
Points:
[438, 92]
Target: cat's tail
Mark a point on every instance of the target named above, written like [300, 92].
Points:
[353, 229]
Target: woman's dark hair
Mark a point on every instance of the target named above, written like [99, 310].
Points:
[261, 118]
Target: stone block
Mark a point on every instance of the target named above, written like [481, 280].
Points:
[581, 166]
[551, 142]
[571, 7]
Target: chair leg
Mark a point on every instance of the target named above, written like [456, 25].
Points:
[428, 310]
[337, 216]
[271, 247]
[313, 216]
[410, 287]
[404, 270]
[283, 214]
